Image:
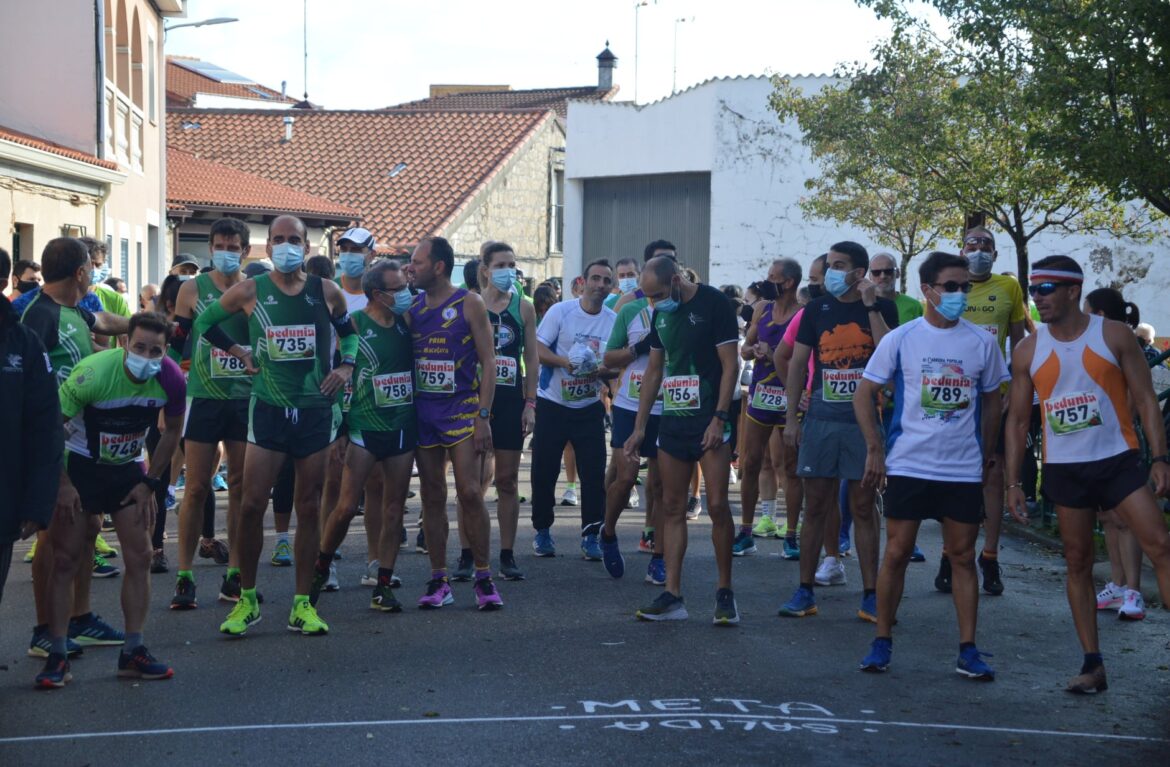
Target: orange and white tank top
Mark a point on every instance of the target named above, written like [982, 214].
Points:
[1083, 397]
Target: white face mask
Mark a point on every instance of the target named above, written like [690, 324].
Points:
[142, 368]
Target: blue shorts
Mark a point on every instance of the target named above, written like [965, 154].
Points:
[623, 427]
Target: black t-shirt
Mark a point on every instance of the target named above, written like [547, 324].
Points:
[842, 343]
[689, 337]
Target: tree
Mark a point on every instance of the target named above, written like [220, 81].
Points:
[1098, 68]
[960, 128]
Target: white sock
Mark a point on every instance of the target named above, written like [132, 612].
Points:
[766, 508]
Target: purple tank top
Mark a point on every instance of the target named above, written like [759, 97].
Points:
[771, 333]
[445, 362]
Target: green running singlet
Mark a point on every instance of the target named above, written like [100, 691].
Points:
[291, 343]
[214, 373]
[383, 379]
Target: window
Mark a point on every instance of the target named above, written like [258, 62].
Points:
[138, 264]
[556, 212]
[150, 79]
[125, 262]
[136, 144]
[122, 132]
[72, 230]
[22, 242]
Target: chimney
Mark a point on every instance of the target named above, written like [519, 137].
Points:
[284, 89]
[288, 123]
[606, 62]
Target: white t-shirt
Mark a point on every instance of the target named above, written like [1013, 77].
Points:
[938, 376]
[564, 325]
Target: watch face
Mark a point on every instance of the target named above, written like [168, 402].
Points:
[485, 413]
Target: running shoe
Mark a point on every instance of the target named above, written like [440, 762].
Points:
[844, 546]
[438, 595]
[41, 646]
[303, 618]
[282, 554]
[486, 596]
[744, 544]
[31, 553]
[543, 544]
[878, 659]
[55, 673]
[158, 562]
[184, 598]
[831, 572]
[868, 609]
[665, 607]
[402, 538]
[694, 508]
[103, 569]
[219, 482]
[140, 664]
[1133, 608]
[802, 604]
[90, 630]
[991, 582]
[970, 664]
[917, 555]
[331, 583]
[464, 569]
[370, 576]
[420, 543]
[569, 497]
[611, 556]
[214, 549]
[383, 599]
[107, 523]
[590, 548]
[182, 482]
[103, 549]
[765, 528]
[1111, 597]
[508, 569]
[942, 581]
[791, 551]
[1089, 682]
[171, 503]
[656, 571]
[634, 499]
[726, 611]
[732, 476]
[646, 544]
[229, 590]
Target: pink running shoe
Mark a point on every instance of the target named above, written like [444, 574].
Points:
[438, 594]
[486, 596]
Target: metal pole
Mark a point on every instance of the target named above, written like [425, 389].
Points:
[306, 46]
[637, 8]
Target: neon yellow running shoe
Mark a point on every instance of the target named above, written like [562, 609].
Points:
[32, 552]
[765, 528]
[242, 616]
[103, 549]
[304, 619]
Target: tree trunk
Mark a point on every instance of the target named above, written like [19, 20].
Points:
[1021, 260]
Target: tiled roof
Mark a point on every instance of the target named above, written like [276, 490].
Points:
[57, 149]
[408, 173]
[183, 83]
[556, 99]
[203, 183]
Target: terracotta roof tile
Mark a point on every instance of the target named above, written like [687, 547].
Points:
[183, 83]
[192, 181]
[48, 146]
[348, 157]
[556, 99]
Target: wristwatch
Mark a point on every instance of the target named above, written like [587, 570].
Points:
[154, 483]
[1161, 458]
[870, 307]
[722, 415]
[485, 413]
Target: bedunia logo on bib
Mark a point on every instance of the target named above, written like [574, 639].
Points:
[291, 343]
[945, 391]
[1072, 413]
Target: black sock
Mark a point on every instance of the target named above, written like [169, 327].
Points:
[384, 575]
[465, 554]
[1093, 661]
[82, 617]
[965, 646]
[888, 639]
[808, 586]
[790, 540]
[608, 538]
[867, 593]
[507, 554]
[323, 562]
[655, 556]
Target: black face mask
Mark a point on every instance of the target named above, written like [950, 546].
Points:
[778, 287]
[766, 290]
[746, 312]
[27, 286]
[815, 291]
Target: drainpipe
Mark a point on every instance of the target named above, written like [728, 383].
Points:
[99, 15]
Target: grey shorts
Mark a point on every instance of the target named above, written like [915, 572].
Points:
[831, 449]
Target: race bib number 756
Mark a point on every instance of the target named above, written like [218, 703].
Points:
[680, 393]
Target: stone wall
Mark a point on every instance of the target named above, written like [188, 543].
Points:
[515, 208]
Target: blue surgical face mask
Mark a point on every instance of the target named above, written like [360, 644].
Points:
[668, 304]
[402, 301]
[628, 284]
[835, 283]
[952, 305]
[352, 264]
[142, 368]
[99, 274]
[502, 279]
[979, 262]
[225, 261]
[287, 258]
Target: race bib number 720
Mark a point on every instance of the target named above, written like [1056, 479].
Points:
[840, 385]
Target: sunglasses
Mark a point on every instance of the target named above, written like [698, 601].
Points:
[950, 286]
[1045, 288]
[979, 241]
[883, 272]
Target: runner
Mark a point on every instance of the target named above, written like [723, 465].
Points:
[767, 402]
[382, 430]
[451, 333]
[692, 361]
[1087, 370]
[939, 445]
[219, 388]
[628, 349]
[626, 272]
[293, 411]
[109, 401]
[840, 332]
[570, 341]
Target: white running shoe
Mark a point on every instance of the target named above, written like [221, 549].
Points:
[331, 583]
[370, 576]
[831, 572]
[1111, 597]
[1133, 607]
[632, 502]
[569, 498]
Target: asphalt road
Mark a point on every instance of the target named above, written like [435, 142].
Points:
[565, 674]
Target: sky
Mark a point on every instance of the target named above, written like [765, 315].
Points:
[366, 54]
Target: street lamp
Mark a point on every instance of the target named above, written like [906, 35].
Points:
[637, 7]
[674, 71]
[204, 23]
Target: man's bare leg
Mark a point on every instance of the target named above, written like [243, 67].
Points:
[676, 479]
[307, 505]
[261, 466]
[716, 468]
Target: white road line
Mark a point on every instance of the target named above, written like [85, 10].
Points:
[574, 718]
